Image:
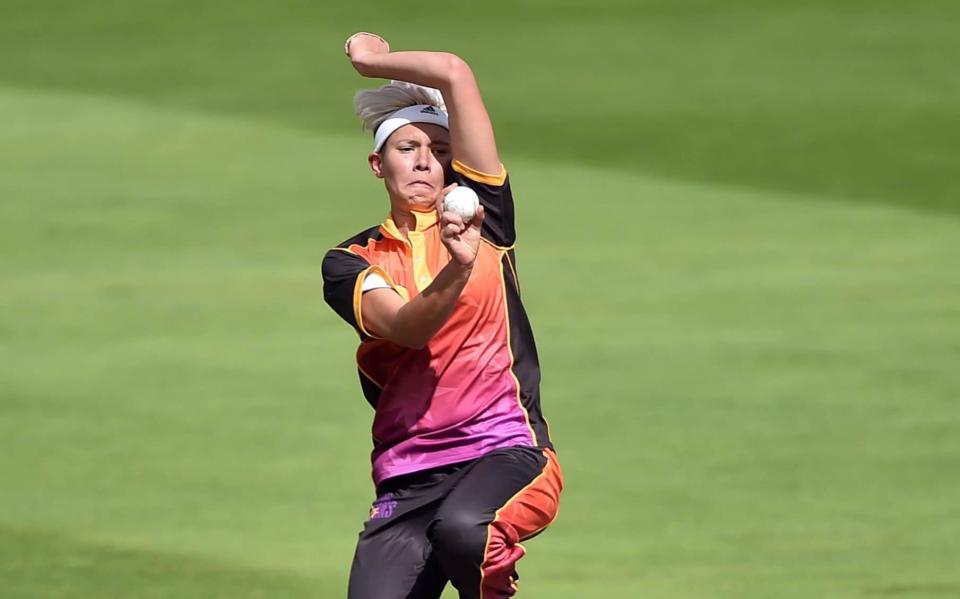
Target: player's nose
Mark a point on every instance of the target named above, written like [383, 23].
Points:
[424, 159]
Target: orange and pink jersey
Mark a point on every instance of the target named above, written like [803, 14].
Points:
[475, 386]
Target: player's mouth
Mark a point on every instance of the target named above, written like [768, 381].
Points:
[422, 183]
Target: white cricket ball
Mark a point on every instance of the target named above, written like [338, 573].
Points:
[462, 201]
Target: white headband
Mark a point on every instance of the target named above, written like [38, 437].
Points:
[420, 113]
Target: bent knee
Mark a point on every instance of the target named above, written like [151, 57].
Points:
[459, 533]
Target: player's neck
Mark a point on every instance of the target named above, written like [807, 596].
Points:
[407, 220]
[404, 220]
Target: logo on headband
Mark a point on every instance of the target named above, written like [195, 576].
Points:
[429, 110]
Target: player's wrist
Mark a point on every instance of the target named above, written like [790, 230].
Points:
[462, 269]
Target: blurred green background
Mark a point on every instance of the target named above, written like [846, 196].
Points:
[739, 246]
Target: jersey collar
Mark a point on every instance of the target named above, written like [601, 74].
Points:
[425, 220]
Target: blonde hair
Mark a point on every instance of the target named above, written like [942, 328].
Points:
[373, 106]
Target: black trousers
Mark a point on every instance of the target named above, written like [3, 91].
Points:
[461, 524]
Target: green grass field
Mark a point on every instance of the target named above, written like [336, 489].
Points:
[739, 247]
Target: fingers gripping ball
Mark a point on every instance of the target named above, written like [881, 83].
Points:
[462, 201]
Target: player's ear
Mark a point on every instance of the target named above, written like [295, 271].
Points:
[376, 164]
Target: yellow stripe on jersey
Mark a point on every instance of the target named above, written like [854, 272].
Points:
[480, 177]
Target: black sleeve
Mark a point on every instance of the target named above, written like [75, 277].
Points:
[341, 269]
[497, 202]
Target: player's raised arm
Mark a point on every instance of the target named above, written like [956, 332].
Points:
[471, 132]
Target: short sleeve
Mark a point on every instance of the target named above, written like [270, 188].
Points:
[373, 281]
[495, 197]
[342, 282]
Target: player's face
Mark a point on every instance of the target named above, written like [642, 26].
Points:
[413, 162]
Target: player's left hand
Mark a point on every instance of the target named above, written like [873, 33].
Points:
[362, 43]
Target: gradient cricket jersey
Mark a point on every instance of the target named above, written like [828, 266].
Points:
[475, 386]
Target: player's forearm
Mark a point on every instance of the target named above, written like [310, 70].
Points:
[420, 318]
[433, 69]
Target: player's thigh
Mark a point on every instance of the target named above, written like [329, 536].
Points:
[517, 476]
[393, 560]
[521, 483]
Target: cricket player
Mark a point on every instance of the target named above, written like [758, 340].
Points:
[463, 465]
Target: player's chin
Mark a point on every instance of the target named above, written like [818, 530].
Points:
[422, 201]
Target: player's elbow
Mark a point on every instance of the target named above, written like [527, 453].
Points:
[457, 70]
[396, 331]
[415, 345]
[410, 339]
[403, 323]
[409, 342]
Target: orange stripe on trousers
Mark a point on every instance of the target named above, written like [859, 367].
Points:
[527, 513]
